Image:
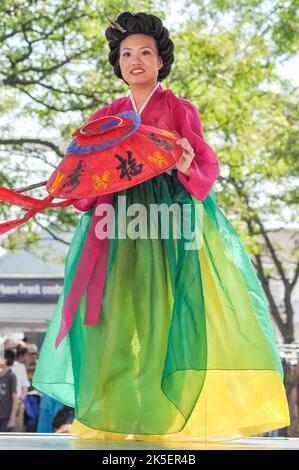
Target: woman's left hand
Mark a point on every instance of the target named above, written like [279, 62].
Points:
[185, 161]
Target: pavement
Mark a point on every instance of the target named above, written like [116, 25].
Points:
[28, 441]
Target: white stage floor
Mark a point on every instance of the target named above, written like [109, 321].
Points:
[27, 441]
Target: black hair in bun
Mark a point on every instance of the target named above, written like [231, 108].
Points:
[140, 23]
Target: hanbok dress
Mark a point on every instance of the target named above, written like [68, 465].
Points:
[167, 337]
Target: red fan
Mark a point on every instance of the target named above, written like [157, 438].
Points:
[107, 155]
[113, 153]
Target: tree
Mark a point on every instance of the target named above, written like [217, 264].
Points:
[227, 55]
[54, 74]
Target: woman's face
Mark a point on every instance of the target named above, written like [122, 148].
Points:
[139, 59]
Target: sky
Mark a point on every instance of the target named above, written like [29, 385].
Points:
[289, 70]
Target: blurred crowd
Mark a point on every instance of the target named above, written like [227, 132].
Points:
[22, 408]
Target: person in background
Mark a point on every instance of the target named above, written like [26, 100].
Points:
[33, 398]
[47, 412]
[20, 372]
[8, 393]
[31, 362]
[11, 343]
[63, 420]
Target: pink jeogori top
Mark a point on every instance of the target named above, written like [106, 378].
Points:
[166, 111]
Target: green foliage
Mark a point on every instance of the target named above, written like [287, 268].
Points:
[54, 74]
[228, 57]
[227, 54]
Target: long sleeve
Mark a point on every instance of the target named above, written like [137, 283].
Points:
[85, 204]
[204, 166]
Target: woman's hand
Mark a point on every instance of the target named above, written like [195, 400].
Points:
[185, 161]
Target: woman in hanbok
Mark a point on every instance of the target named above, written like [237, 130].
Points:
[165, 338]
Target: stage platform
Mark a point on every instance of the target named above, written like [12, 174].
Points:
[27, 441]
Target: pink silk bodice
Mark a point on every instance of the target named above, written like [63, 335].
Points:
[164, 110]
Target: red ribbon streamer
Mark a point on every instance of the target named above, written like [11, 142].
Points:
[27, 202]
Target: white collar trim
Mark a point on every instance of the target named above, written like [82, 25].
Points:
[146, 101]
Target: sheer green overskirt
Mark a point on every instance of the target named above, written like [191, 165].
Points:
[174, 309]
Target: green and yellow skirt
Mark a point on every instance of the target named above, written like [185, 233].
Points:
[184, 348]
